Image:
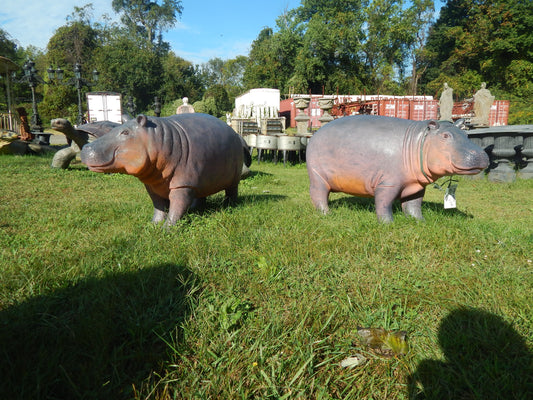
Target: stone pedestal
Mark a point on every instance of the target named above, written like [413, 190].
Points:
[302, 120]
[326, 104]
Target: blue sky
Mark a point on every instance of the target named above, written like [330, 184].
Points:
[206, 29]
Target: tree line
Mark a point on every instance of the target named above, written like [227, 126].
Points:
[323, 46]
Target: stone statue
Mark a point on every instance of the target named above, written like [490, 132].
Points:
[446, 103]
[482, 102]
[185, 108]
[387, 158]
[181, 159]
[25, 131]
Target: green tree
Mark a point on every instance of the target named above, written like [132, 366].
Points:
[329, 56]
[389, 34]
[75, 42]
[481, 36]
[148, 18]
[420, 15]
[128, 65]
[180, 79]
[8, 48]
[218, 97]
[490, 40]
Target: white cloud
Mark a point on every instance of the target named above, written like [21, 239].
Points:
[33, 22]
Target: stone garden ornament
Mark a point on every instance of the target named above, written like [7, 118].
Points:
[181, 159]
[79, 137]
[387, 158]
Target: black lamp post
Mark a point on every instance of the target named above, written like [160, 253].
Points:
[32, 78]
[157, 107]
[76, 81]
[131, 106]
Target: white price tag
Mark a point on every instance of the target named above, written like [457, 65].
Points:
[449, 197]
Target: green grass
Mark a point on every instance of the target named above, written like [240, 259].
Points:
[261, 300]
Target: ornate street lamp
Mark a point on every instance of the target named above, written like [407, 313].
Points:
[76, 81]
[32, 78]
[131, 106]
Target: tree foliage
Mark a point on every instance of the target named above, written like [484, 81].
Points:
[344, 46]
[148, 18]
[486, 41]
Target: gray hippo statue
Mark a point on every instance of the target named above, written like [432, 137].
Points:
[387, 158]
[180, 159]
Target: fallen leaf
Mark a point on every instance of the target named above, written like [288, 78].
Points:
[353, 361]
[387, 343]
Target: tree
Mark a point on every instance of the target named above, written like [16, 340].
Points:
[74, 42]
[180, 79]
[148, 18]
[488, 41]
[421, 14]
[389, 33]
[328, 58]
[481, 36]
[129, 66]
[8, 48]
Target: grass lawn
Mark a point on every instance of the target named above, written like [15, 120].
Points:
[261, 300]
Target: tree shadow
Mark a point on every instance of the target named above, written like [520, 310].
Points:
[485, 358]
[96, 339]
[367, 204]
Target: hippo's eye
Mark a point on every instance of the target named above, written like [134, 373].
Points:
[446, 135]
[125, 132]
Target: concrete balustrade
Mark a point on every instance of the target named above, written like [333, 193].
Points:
[510, 148]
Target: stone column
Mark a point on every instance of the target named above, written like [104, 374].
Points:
[527, 152]
[504, 153]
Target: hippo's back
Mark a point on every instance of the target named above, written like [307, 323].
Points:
[358, 136]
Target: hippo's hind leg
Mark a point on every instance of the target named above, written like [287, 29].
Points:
[412, 205]
[161, 206]
[181, 199]
[319, 191]
[232, 194]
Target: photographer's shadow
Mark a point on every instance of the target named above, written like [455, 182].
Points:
[485, 358]
[98, 338]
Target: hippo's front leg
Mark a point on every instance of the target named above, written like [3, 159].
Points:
[412, 205]
[384, 196]
[181, 199]
[160, 206]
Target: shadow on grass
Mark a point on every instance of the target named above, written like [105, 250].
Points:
[367, 204]
[95, 339]
[485, 358]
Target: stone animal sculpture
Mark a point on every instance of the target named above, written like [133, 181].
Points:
[79, 136]
[387, 158]
[180, 159]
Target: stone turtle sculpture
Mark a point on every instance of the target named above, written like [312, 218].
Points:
[180, 159]
[79, 136]
[387, 158]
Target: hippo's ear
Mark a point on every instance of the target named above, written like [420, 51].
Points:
[141, 120]
[433, 125]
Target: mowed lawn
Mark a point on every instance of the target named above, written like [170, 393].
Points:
[263, 299]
